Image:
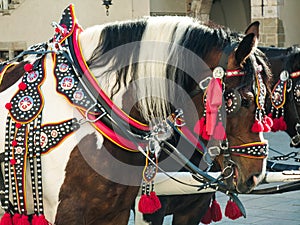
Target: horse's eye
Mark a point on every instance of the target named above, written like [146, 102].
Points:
[246, 103]
[232, 101]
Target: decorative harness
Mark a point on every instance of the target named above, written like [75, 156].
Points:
[27, 138]
[287, 84]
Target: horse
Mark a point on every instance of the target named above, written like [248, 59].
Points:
[283, 103]
[191, 208]
[88, 112]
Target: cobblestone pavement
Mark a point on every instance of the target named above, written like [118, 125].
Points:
[276, 209]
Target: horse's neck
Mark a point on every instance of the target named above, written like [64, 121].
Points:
[11, 76]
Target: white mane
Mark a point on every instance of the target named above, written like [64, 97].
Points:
[156, 47]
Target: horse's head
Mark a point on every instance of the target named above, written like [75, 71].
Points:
[159, 62]
[292, 104]
[244, 85]
[284, 103]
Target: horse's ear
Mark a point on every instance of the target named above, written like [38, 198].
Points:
[245, 47]
[253, 28]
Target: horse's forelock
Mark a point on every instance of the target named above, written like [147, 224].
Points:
[267, 73]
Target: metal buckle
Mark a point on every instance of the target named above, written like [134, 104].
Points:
[204, 83]
[179, 115]
[230, 168]
[98, 118]
[214, 151]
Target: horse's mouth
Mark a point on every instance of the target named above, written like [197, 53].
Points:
[235, 177]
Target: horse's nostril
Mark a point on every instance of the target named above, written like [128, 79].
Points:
[252, 181]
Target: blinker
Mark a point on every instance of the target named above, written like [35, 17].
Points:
[233, 101]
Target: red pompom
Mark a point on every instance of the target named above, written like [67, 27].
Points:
[232, 211]
[219, 132]
[257, 126]
[206, 219]
[28, 67]
[8, 106]
[18, 125]
[12, 161]
[23, 220]
[282, 124]
[6, 219]
[216, 212]
[57, 30]
[16, 218]
[200, 126]
[149, 204]
[22, 86]
[14, 143]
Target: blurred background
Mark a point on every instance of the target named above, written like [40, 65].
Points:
[27, 22]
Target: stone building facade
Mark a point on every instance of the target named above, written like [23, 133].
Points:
[26, 22]
[278, 18]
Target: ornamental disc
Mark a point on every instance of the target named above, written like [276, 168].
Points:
[25, 103]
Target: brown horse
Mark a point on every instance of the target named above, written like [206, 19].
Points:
[86, 156]
[285, 98]
[189, 209]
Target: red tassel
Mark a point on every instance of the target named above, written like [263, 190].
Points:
[268, 120]
[200, 126]
[267, 123]
[6, 219]
[200, 129]
[155, 200]
[257, 126]
[282, 124]
[276, 125]
[216, 212]
[206, 219]
[267, 128]
[205, 135]
[270, 115]
[23, 220]
[16, 218]
[34, 219]
[149, 204]
[28, 67]
[232, 211]
[219, 132]
[40, 220]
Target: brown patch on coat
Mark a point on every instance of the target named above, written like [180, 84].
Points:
[11, 76]
[88, 197]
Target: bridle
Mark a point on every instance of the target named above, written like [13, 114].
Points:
[140, 131]
[293, 91]
[233, 103]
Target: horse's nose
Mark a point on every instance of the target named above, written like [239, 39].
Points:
[248, 185]
[252, 181]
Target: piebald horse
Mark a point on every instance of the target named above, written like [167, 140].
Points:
[86, 115]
